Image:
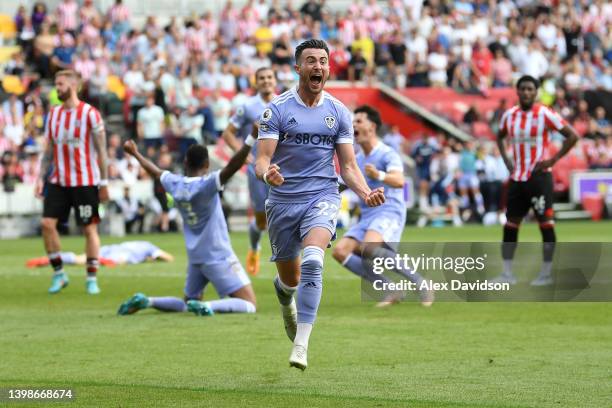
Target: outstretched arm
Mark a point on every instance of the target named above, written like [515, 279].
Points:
[130, 148]
[238, 160]
[164, 256]
[349, 170]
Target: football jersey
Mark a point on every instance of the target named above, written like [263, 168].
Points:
[307, 138]
[246, 115]
[528, 133]
[386, 159]
[71, 131]
[205, 230]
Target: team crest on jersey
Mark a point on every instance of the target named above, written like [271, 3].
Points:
[266, 115]
[240, 111]
[330, 121]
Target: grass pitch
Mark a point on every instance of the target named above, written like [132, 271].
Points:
[451, 355]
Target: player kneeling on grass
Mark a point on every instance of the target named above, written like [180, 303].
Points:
[211, 258]
[383, 225]
[129, 252]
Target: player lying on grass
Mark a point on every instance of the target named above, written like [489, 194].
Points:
[130, 252]
[379, 227]
[211, 257]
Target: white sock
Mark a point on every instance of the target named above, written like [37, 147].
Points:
[92, 278]
[546, 269]
[303, 334]
[507, 267]
[423, 203]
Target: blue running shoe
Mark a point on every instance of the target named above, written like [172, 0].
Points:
[137, 302]
[199, 308]
[58, 282]
[92, 286]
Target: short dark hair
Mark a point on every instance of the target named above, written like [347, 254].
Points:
[528, 78]
[312, 43]
[196, 157]
[371, 113]
[262, 69]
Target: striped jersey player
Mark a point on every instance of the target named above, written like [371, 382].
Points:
[75, 157]
[528, 127]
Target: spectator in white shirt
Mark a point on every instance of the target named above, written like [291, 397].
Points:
[221, 108]
[151, 124]
[190, 128]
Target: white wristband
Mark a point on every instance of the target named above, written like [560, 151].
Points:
[381, 175]
[103, 183]
[250, 140]
[265, 178]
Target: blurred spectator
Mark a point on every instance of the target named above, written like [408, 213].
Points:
[164, 162]
[208, 129]
[44, 46]
[394, 139]
[119, 16]
[358, 66]
[501, 68]
[151, 124]
[221, 108]
[31, 165]
[190, 128]
[12, 115]
[133, 211]
[495, 174]
[98, 86]
[39, 14]
[11, 172]
[66, 13]
[438, 63]
[63, 55]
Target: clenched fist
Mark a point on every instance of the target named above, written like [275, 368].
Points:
[273, 176]
[376, 197]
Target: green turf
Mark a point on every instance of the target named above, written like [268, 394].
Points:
[452, 355]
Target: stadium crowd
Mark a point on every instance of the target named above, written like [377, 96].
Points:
[177, 83]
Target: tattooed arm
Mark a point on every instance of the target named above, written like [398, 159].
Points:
[45, 165]
[99, 141]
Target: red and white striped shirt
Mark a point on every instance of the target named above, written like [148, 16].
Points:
[75, 161]
[528, 132]
[67, 17]
[118, 13]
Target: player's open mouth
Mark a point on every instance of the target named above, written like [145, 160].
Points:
[316, 79]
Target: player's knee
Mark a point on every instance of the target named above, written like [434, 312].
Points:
[312, 263]
[340, 252]
[48, 224]
[547, 228]
[90, 230]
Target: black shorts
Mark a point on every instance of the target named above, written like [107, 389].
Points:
[536, 193]
[85, 200]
